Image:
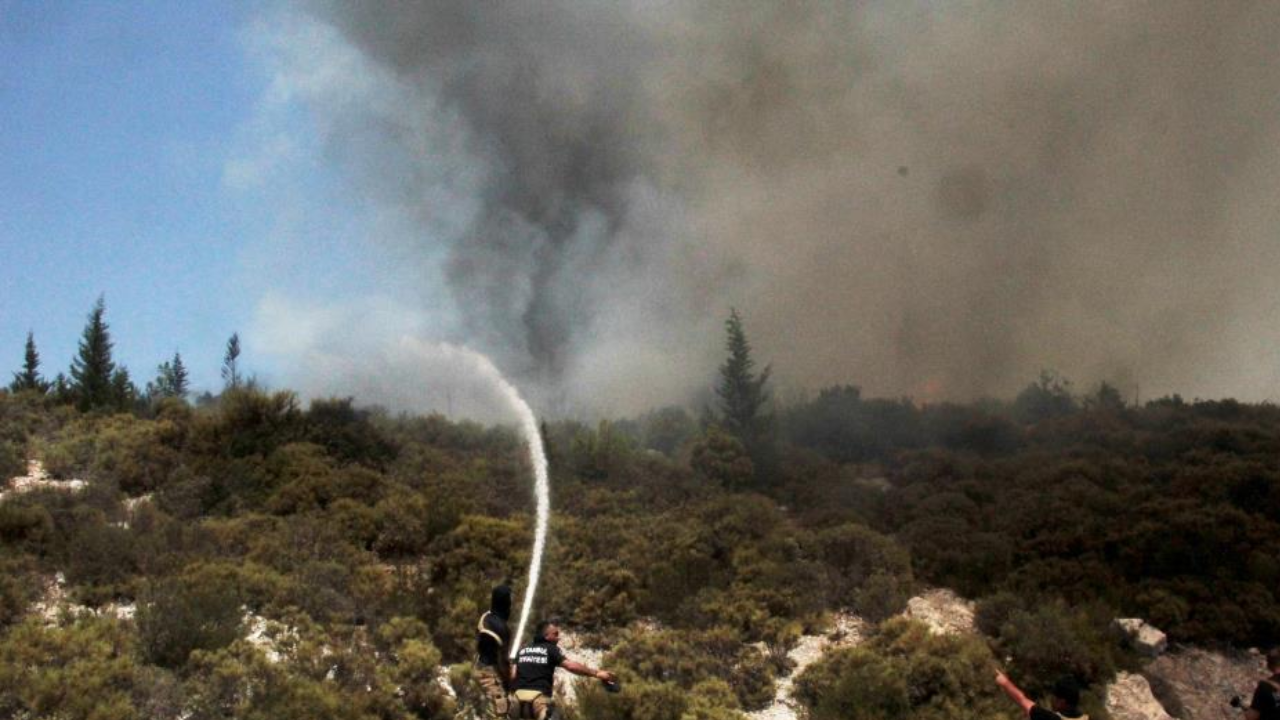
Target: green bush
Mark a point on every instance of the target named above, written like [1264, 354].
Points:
[881, 597]
[82, 671]
[13, 461]
[198, 610]
[1048, 640]
[851, 555]
[18, 585]
[238, 681]
[722, 459]
[101, 555]
[249, 422]
[347, 433]
[643, 700]
[134, 454]
[686, 659]
[905, 671]
[25, 526]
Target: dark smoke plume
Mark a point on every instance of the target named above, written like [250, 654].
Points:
[935, 199]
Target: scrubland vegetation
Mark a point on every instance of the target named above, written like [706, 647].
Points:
[366, 544]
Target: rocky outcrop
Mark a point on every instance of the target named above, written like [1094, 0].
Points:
[943, 611]
[1196, 684]
[37, 479]
[1145, 638]
[1130, 698]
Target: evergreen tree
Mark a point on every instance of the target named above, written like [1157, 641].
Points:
[742, 393]
[60, 390]
[171, 379]
[92, 370]
[230, 363]
[29, 378]
[124, 394]
[181, 380]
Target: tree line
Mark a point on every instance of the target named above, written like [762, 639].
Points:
[96, 382]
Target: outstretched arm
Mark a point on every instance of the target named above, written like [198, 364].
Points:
[1014, 693]
[578, 668]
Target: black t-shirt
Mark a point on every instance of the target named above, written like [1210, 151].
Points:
[1266, 700]
[488, 651]
[1039, 713]
[536, 666]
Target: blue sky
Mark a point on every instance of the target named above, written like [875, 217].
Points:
[126, 134]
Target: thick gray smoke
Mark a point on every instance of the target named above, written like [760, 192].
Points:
[934, 199]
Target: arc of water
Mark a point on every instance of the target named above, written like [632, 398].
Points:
[542, 489]
[537, 457]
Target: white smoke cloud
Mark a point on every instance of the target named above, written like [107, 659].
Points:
[373, 349]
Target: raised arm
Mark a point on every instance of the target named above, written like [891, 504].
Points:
[1014, 693]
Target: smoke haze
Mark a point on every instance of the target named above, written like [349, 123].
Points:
[932, 199]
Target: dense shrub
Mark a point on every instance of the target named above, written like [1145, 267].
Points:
[1045, 641]
[684, 659]
[905, 671]
[850, 555]
[13, 461]
[347, 434]
[198, 610]
[82, 671]
[18, 586]
[721, 458]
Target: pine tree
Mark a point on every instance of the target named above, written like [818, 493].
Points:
[171, 379]
[181, 381]
[92, 370]
[60, 390]
[230, 364]
[124, 394]
[742, 393]
[29, 378]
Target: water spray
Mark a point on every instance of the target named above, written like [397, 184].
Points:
[542, 489]
[485, 368]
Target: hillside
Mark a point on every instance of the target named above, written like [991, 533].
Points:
[252, 558]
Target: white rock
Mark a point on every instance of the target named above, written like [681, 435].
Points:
[35, 479]
[943, 611]
[266, 634]
[1130, 698]
[131, 504]
[1198, 684]
[1144, 638]
[442, 679]
[119, 611]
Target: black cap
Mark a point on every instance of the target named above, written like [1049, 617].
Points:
[500, 602]
[1067, 690]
